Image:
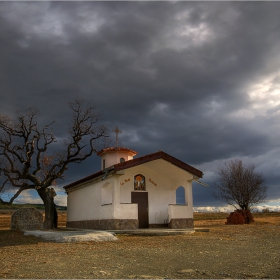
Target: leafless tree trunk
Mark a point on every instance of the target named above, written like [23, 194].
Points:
[47, 195]
[239, 185]
[24, 160]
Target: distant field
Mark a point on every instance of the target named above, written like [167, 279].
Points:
[37, 206]
[217, 216]
[5, 218]
[200, 219]
[218, 219]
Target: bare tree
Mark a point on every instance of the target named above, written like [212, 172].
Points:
[24, 160]
[239, 185]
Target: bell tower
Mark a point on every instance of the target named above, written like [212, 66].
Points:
[114, 155]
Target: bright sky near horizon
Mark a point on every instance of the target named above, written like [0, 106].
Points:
[199, 80]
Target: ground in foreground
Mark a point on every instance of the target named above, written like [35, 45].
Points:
[236, 251]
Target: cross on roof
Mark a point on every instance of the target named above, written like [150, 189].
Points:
[117, 131]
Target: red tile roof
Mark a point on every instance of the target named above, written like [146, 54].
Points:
[155, 156]
[113, 149]
[138, 161]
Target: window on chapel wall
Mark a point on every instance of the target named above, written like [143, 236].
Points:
[139, 182]
[122, 159]
[180, 195]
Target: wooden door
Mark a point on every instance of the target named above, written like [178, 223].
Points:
[143, 207]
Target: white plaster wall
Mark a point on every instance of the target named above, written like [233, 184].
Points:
[126, 187]
[84, 203]
[179, 211]
[189, 198]
[116, 210]
[112, 158]
[107, 212]
[159, 198]
[189, 195]
[106, 193]
[183, 211]
[126, 211]
[99, 201]
[161, 192]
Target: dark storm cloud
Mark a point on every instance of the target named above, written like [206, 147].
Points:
[199, 80]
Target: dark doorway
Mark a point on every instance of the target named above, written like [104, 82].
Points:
[143, 211]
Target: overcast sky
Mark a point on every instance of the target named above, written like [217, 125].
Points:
[198, 80]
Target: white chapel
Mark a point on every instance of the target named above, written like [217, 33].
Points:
[131, 193]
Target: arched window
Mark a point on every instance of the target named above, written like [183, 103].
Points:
[180, 195]
[139, 183]
[122, 159]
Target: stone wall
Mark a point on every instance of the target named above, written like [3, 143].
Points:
[181, 223]
[158, 225]
[126, 224]
[109, 224]
[27, 219]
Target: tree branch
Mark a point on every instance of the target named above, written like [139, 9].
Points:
[239, 185]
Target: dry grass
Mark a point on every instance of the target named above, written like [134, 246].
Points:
[218, 219]
[5, 218]
[235, 252]
[200, 219]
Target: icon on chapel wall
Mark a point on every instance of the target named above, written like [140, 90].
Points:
[139, 182]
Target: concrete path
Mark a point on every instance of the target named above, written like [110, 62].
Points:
[83, 235]
[154, 231]
[73, 236]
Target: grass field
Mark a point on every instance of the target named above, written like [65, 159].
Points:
[5, 218]
[37, 206]
[219, 219]
[220, 252]
[200, 219]
[217, 216]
